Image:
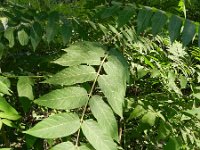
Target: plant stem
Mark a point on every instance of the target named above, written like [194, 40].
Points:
[5, 139]
[89, 96]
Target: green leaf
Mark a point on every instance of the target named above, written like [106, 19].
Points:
[24, 87]
[67, 98]
[195, 112]
[56, 126]
[97, 138]
[164, 131]
[113, 84]
[73, 75]
[52, 26]
[175, 24]
[9, 35]
[143, 19]
[22, 37]
[173, 144]
[149, 118]
[104, 115]
[125, 15]
[199, 37]
[64, 146]
[66, 32]
[4, 88]
[108, 12]
[2, 47]
[158, 21]
[7, 111]
[82, 53]
[8, 123]
[86, 147]
[137, 112]
[183, 81]
[35, 35]
[188, 33]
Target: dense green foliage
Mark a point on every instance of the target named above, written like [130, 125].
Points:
[105, 75]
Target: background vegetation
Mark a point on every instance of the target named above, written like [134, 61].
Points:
[105, 75]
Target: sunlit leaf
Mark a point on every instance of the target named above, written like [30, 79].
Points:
[64, 146]
[104, 115]
[97, 138]
[9, 35]
[73, 75]
[66, 98]
[59, 125]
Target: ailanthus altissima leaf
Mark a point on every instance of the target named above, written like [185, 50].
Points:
[7, 111]
[188, 33]
[52, 26]
[175, 24]
[97, 138]
[66, 31]
[4, 88]
[56, 126]
[22, 37]
[113, 84]
[125, 15]
[24, 87]
[199, 37]
[66, 98]
[64, 146]
[82, 53]
[73, 75]
[9, 35]
[104, 115]
[36, 35]
[143, 19]
[158, 21]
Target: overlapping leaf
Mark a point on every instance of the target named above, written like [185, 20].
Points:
[66, 98]
[158, 21]
[97, 138]
[143, 19]
[104, 115]
[188, 33]
[175, 25]
[9, 35]
[35, 35]
[82, 53]
[113, 84]
[73, 75]
[56, 126]
[64, 146]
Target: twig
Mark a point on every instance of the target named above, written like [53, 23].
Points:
[89, 96]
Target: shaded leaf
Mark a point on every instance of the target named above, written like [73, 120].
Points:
[158, 21]
[22, 37]
[143, 19]
[66, 98]
[125, 15]
[59, 125]
[104, 115]
[73, 75]
[9, 35]
[66, 32]
[173, 144]
[188, 33]
[35, 35]
[52, 26]
[137, 112]
[175, 24]
[97, 138]
[149, 118]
